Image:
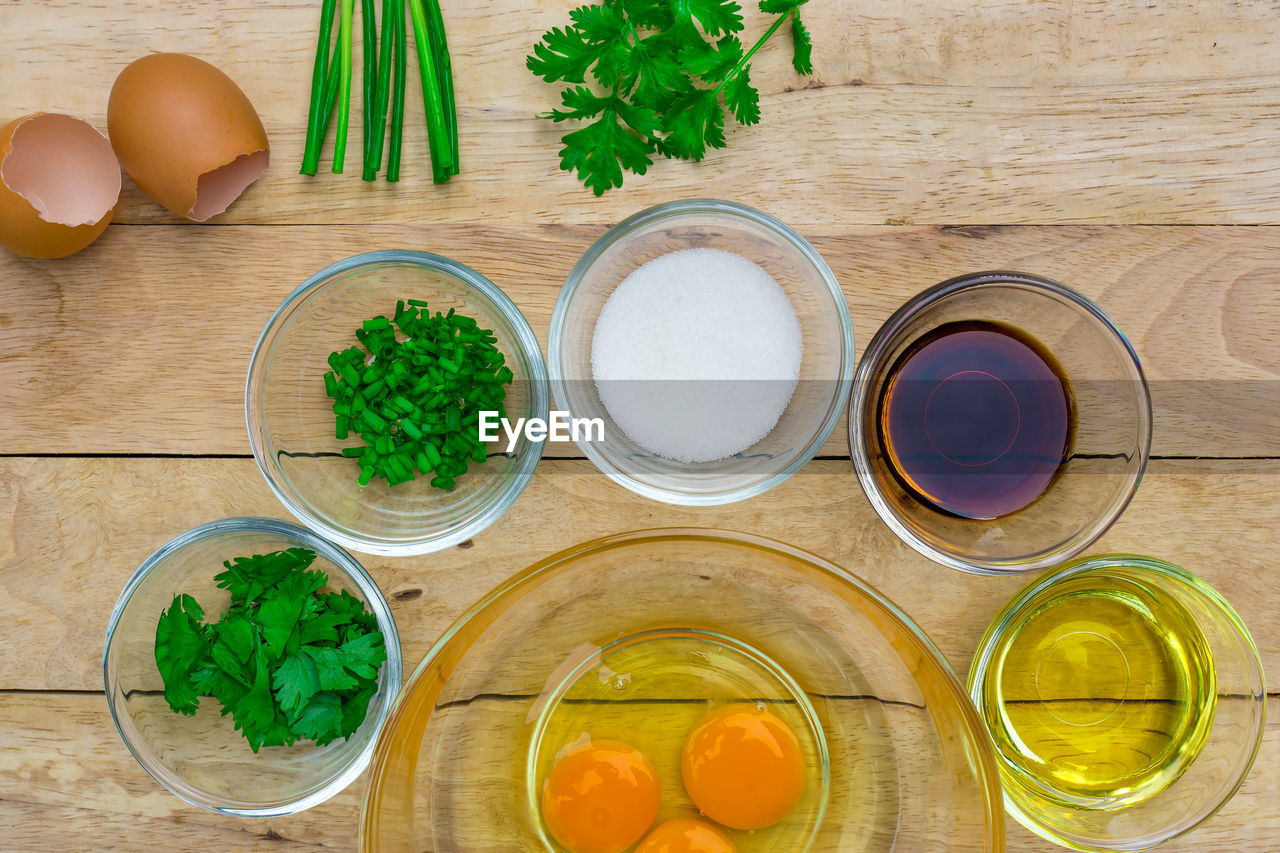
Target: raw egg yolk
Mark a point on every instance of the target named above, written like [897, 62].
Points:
[683, 835]
[743, 767]
[600, 798]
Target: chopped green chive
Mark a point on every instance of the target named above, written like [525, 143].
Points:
[416, 403]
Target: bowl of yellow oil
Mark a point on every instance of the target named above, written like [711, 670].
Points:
[1125, 699]
[683, 690]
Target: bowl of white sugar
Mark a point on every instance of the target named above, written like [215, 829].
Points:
[703, 351]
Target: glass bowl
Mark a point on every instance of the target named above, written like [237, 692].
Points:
[202, 758]
[826, 367]
[1110, 433]
[908, 765]
[1108, 744]
[291, 421]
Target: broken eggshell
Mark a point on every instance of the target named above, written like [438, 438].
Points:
[185, 133]
[59, 184]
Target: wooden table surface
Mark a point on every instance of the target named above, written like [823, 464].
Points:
[1107, 144]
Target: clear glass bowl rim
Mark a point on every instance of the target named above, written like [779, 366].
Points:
[672, 210]
[982, 662]
[528, 344]
[323, 548]
[859, 406]
[984, 759]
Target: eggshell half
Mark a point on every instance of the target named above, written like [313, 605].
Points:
[185, 133]
[59, 184]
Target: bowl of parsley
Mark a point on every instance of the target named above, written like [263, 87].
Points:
[249, 665]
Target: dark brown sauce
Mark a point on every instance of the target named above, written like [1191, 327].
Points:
[976, 419]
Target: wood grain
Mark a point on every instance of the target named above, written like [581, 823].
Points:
[68, 778]
[920, 112]
[937, 137]
[74, 530]
[166, 317]
[65, 777]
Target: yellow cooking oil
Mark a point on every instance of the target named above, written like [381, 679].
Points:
[1101, 695]
[649, 690]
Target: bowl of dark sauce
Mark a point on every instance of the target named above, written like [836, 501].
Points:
[999, 422]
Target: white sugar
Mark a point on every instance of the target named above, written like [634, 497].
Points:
[696, 354]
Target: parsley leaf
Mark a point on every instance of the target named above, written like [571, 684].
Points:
[181, 646]
[322, 627]
[363, 655]
[711, 64]
[563, 54]
[278, 733]
[715, 16]
[255, 710]
[602, 26]
[801, 58]
[693, 124]
[344, 602]
[285, 661]
[601, 150]
[802, 46]
[330, 671]
[246, 578]
[282, 608]
[741, 97]
[598, 23]
[580, 102]
[355, 706]
[296, 680]
[227, 654]
[321, 719]
[650, 14]
[654, 74]
[235, 633]
[669, 70]
[212, 681]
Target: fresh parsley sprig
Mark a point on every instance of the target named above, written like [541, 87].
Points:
[285, 660]
[668, 71]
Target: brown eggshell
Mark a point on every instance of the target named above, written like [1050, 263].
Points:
[185, 133]
[59, 184]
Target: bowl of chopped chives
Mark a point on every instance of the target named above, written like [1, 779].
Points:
[367, 396]
[249, 665]
[714, 345]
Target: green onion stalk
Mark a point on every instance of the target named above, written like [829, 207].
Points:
[369, 79]
[320, 73]
[384, 60]
[344, 82]
[397, 108]
[381, 90]
[432, 100]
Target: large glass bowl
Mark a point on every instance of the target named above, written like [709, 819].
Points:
[202, 758]
[826, 367]
[1196, 773]
[291, 421]
[910, 767]
[1111, 434]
